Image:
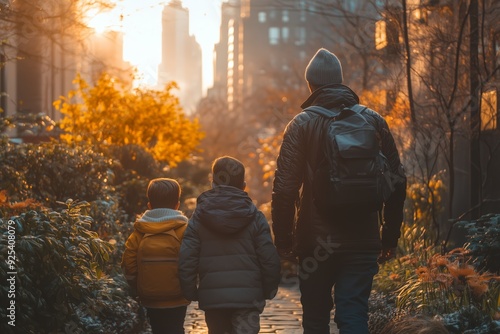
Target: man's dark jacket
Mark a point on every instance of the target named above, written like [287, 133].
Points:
[299, 157]
[227, 257]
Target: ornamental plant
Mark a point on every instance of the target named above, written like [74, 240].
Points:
[109, 113]
[447, 283]
[51, 172]
[483, 242]
[60, 280]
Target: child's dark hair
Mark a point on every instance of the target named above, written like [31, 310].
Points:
[163, 193]
[228, 171]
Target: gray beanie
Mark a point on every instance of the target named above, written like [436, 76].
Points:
[323, 69]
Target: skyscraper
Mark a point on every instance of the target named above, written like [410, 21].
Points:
[181, 55]
[263, 42]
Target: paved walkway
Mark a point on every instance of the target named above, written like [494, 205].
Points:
[282, 315]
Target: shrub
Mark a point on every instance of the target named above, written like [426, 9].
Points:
[382, 311]
[483, 242]
[448, 283]
[134, 158]
[470, 320]
[52, 172]
[60, 280]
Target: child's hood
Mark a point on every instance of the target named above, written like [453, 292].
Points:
[225, 209]
[160, 220]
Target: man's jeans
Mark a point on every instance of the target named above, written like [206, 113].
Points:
[351, 277]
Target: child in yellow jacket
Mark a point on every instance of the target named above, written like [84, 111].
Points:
[150, 257]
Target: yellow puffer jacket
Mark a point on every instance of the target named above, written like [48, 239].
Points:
[153, 222]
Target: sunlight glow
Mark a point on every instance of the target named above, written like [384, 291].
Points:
[102, 21]
[140, 21]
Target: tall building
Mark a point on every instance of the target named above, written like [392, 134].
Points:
[45, 47]
[106, 55]
[267, 43]
[181, 55]
[46, 58]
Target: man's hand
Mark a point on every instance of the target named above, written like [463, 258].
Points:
[287, 255]
[386, 254]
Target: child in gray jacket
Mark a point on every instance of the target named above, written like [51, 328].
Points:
[227, 261]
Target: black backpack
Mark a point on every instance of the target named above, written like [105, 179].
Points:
[354, 175]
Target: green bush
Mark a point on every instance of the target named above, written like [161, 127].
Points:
[52, 172]
[424, 281]
[68, 259]
[134, 158]
[483, 242]
[470, 320]
[132, 170]
[60, 280]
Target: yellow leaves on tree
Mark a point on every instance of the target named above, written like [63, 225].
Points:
[397, 116]
[426, 197]
[396, 113]
[109, 114]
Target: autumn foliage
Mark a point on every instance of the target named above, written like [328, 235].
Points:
[108, 114]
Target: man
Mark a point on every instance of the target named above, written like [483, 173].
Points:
[339, 251]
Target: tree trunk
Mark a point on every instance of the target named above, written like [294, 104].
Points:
[475, 121]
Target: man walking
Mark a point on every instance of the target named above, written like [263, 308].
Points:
[340, 250]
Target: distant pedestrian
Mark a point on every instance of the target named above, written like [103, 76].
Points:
[228, 262]
[337, 247]
[150, 260]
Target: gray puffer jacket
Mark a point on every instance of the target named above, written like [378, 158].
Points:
[299, 157]
[227, 258]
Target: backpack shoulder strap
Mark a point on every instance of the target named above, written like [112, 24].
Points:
[358, 108]
[322, 111]
[169, 232]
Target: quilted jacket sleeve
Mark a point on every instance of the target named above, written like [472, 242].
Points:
[129, 258]
[287, 182]
[393, 209]
[189, 258]
[268, 258]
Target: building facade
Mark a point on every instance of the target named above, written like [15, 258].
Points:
[181, 56]
[44, 48]
[267, 43]
[455, 105]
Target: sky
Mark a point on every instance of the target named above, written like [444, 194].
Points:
[141, 23]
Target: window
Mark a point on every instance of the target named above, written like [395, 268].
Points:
[274, 36]
[262, 17]
[386, 36]
[353, 7]
[420, 15]
[380, 35]
[285, 34]
[245, 8]
[489, 110]
[285, 16]
[300, 36]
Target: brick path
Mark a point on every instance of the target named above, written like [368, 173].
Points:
[282, 315]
